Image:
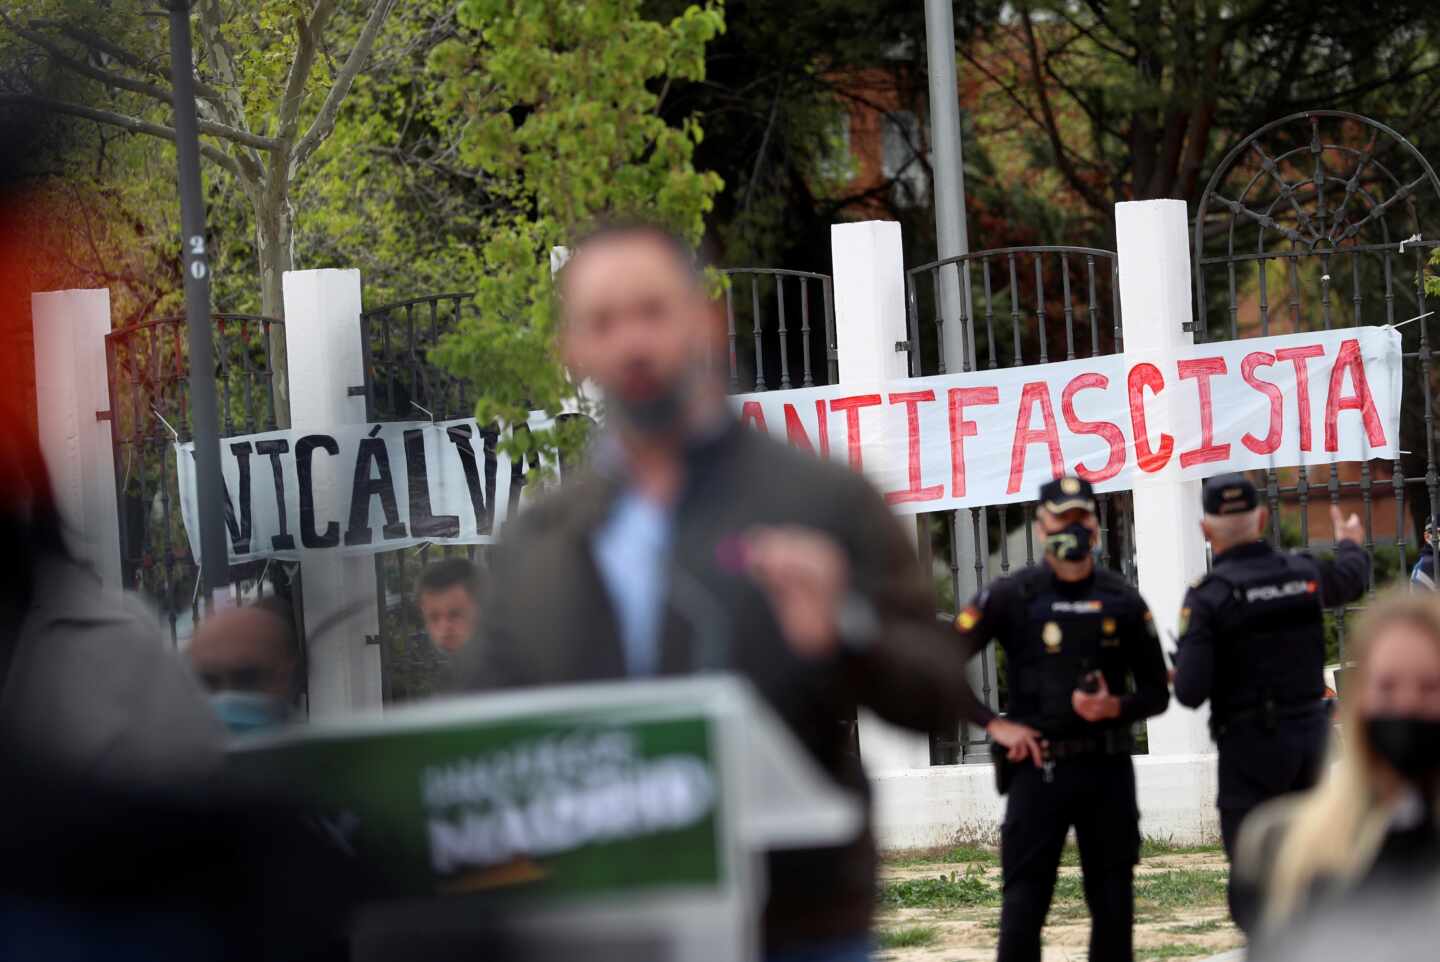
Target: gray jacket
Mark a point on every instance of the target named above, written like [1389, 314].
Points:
[94, 691]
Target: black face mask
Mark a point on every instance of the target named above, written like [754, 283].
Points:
[1070, 543]
[1410, 745]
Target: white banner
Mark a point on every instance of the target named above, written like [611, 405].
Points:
[361, 488]
[930, 444]
[1122, 420]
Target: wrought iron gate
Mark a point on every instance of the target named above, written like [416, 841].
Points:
[148, 367]
[1315, 221]
[760, 355]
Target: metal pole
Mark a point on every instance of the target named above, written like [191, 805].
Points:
[204, 415]
[947, 161]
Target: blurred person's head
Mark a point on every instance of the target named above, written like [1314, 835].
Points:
[248, 660]
[1065, 521]
[1388, 749]
[1233, 512]
[638, 322]
[31, 529]
[449, 599]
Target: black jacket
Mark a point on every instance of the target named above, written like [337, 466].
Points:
[547, 619]
[1053, 632]
[1253, 628]
[1252, 641]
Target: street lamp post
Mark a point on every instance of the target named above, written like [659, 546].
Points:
[204, 410]
[947, 160]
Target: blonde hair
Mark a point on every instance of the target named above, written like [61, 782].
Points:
[1336, 829]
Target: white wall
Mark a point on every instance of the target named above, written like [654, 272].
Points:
[926, 808]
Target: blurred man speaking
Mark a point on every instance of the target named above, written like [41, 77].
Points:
[690, 543]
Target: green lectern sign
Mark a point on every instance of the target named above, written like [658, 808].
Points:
[619, 818]
[554, 803]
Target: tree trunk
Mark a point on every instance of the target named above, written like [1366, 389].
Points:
[275, 251]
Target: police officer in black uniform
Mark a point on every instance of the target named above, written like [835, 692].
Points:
[1252, 641]
[1083, 663]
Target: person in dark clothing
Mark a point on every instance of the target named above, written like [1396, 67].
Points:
[1422, 576]
[690, 543]
[1369, 835]
[1252, 643]
[1084, 663]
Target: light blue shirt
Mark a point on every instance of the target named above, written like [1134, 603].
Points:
[632, 550]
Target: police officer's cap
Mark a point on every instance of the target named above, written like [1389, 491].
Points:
[1230, 494]
[1067, 494]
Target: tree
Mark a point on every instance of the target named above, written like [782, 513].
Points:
[270, 80]
[556, 109]
[1137, 101]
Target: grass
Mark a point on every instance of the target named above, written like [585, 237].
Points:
[945, 855]
[1180, 888]
[1154, 847]
[950, 891]
[1179, 950]
[909, 937]
[1173, 889]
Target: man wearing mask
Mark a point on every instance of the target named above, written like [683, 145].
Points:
[1083, 665]
[248, 661]
[1252, 642]
[691, 543]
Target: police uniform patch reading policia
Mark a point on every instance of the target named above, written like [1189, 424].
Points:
[968, 618]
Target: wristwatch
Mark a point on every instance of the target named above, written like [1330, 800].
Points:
[857, 624]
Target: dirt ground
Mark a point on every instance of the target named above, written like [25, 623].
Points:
[942, 906]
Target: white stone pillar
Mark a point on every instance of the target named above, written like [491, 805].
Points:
[1153, 244]
[73, 406]
[325, 357]
[868, 266]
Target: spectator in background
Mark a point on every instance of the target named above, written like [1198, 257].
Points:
[248, 659]
[88, 686]
[449, 592]
[1372, 824]
[1422, 576]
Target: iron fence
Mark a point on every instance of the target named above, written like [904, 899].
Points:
[1313, 222]
[148, 368]
[762, 353]
[1015, 306]
[401, 382]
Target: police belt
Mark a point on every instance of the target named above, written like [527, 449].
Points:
[1268, 713]
[1113, 741]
